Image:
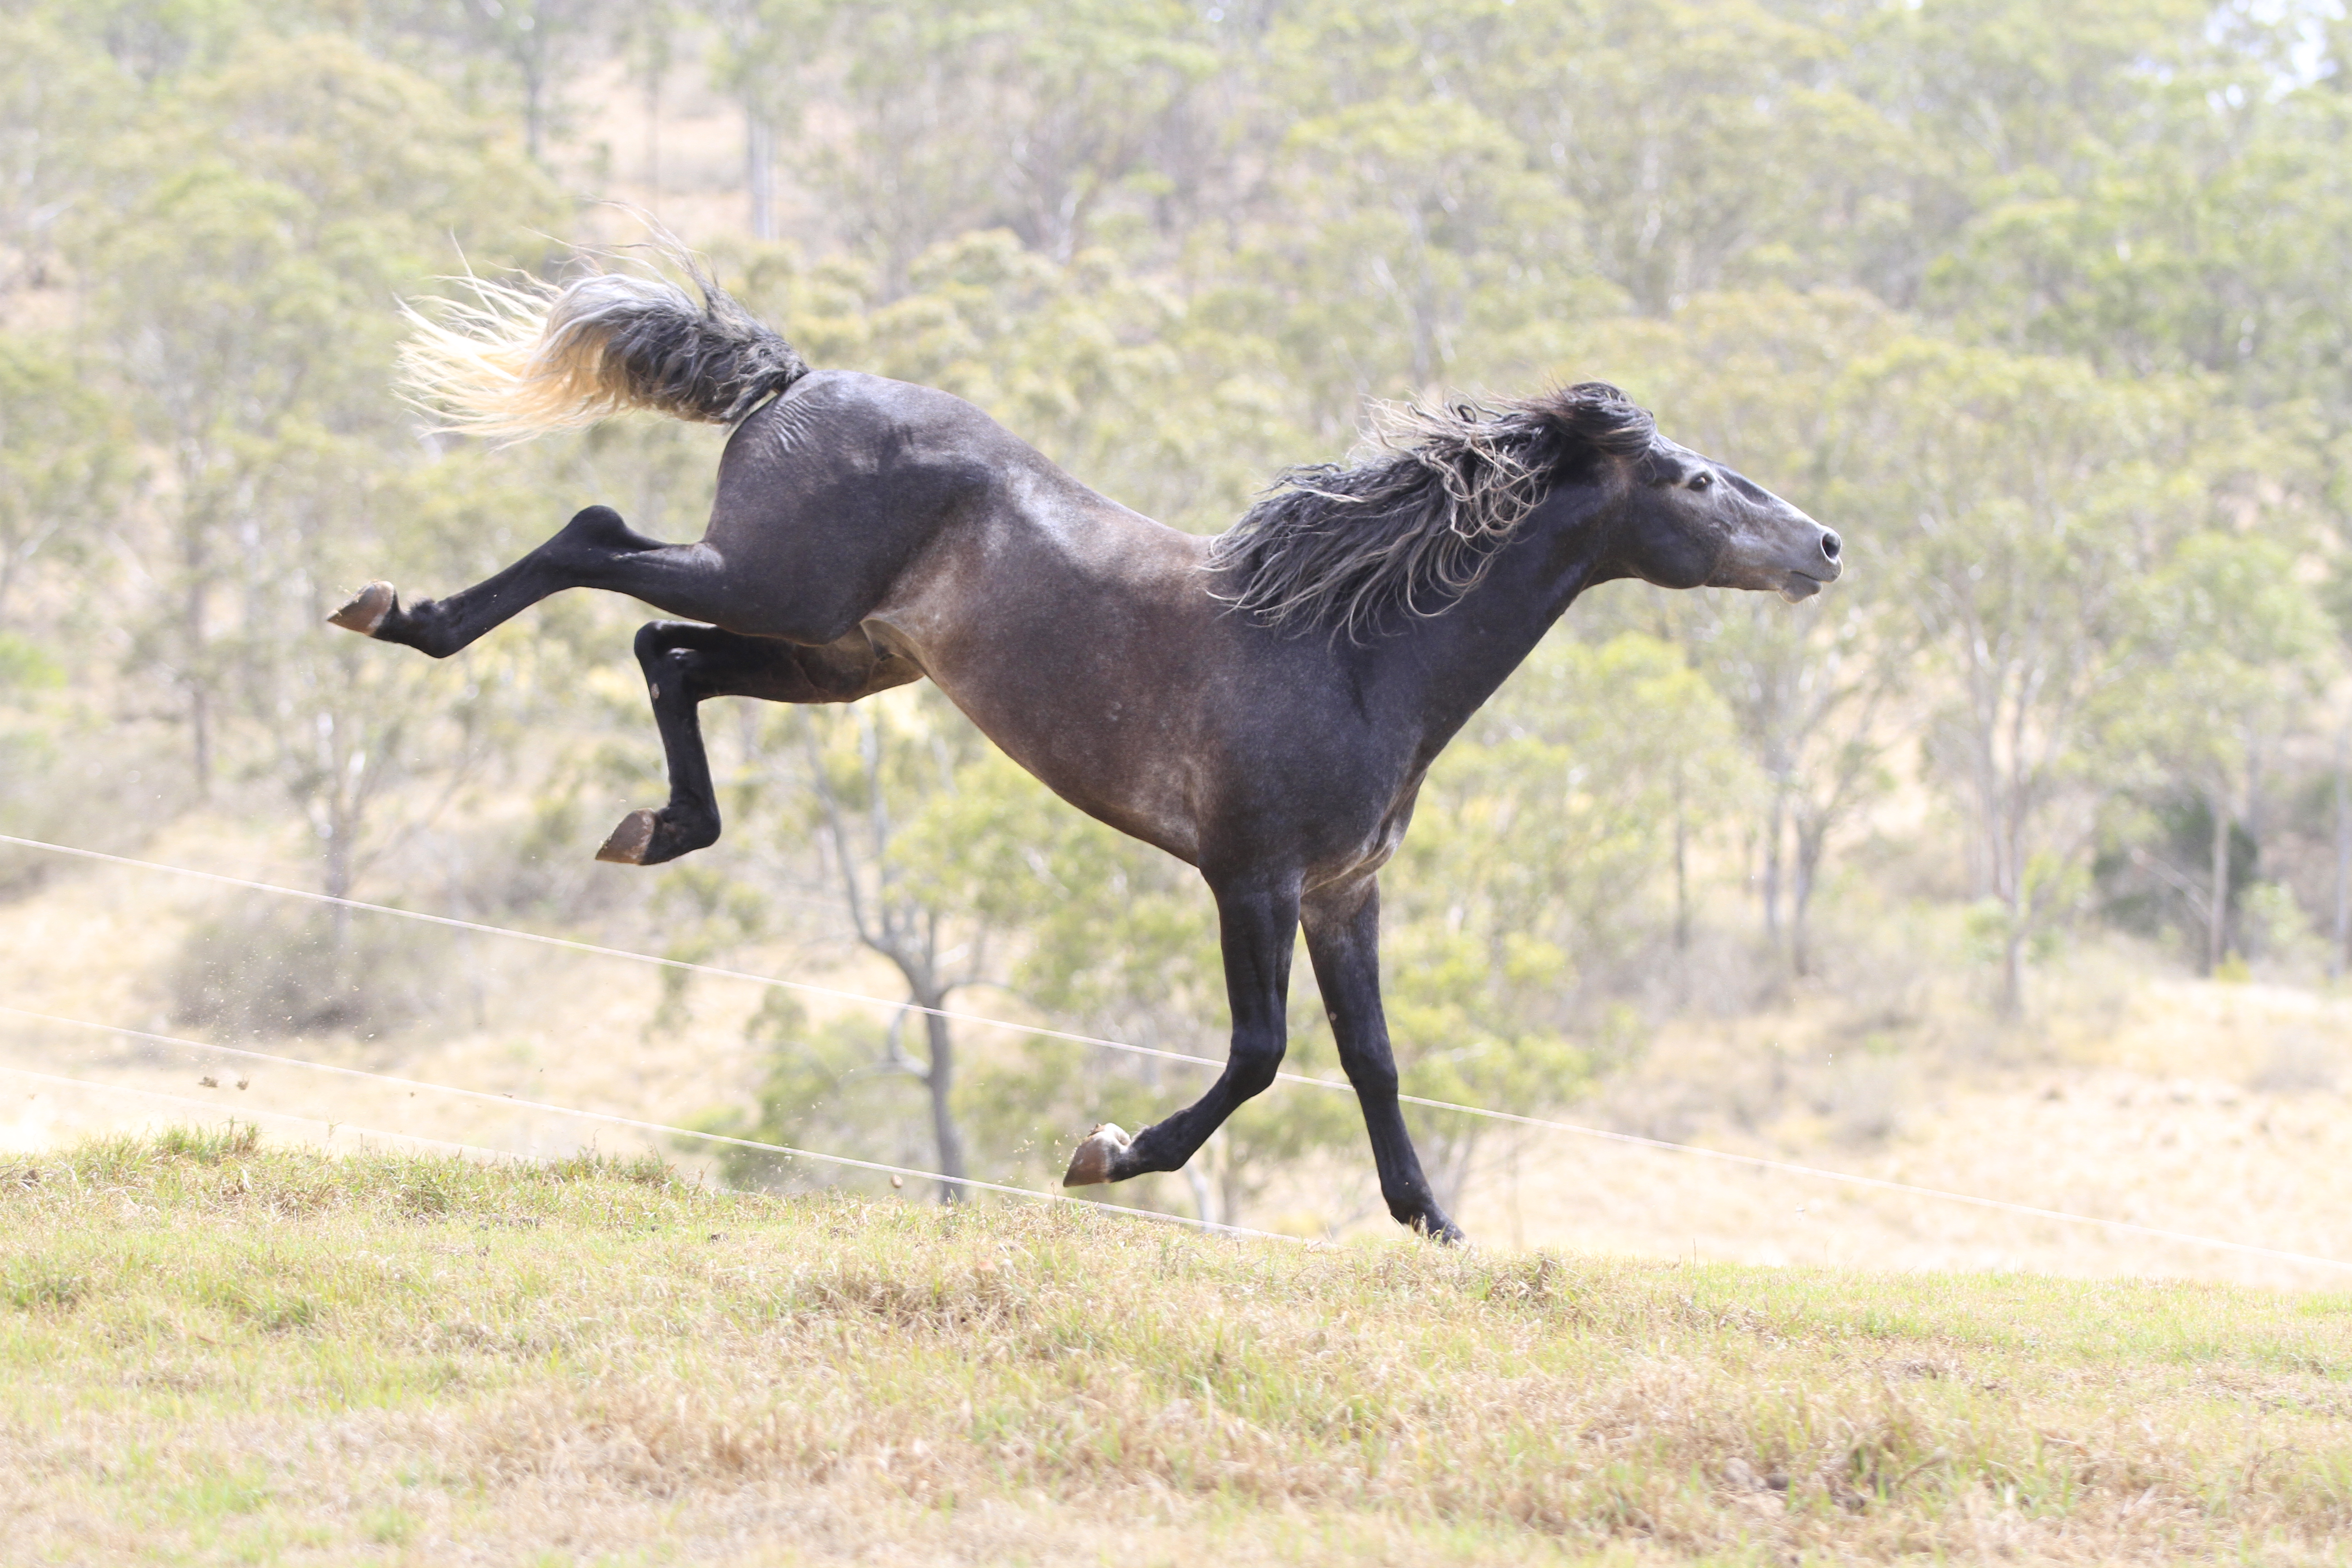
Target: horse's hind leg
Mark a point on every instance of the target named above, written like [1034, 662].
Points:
[1343, 942]
[594, 550]
[1257, 920]
[685, 664]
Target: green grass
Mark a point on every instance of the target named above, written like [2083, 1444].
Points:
[213, 1351]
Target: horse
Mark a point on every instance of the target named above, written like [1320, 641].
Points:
[1262, 705]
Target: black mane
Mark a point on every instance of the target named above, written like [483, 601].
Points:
[1414, 525]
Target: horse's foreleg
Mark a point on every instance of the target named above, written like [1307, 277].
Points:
[684, 665]
[1257, 921]
[594, 550]
[1343, 942]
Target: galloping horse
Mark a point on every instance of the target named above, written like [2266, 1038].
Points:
[1262, 705]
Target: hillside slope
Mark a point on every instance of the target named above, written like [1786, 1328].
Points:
[212, 1351]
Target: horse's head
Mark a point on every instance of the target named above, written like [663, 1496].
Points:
[1691, 522]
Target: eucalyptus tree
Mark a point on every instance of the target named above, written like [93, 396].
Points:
[866, 774]
[64, 465]
[1403, 222]
[1816, 696]
[2229, 642]
[60, 97]
[1702, 146]
[243, 299]
[527, 50]
[2031, 501]
[2146, 185]
[765, 57]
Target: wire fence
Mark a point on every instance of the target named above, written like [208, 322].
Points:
[607, 1118]
[1698, 1151]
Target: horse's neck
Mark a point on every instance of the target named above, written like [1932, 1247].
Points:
[1466, 654]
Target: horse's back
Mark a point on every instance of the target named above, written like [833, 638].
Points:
[1083, 637]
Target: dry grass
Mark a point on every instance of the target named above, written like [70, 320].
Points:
[216, 1352]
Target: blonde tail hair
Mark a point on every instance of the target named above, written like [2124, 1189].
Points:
[528, 356]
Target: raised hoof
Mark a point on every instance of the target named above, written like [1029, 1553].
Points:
[629, 842]
[1091, 1164]
[366, 611]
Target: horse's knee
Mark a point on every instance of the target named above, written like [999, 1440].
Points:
[1257, 1057]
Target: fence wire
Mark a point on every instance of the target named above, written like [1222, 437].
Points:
[1752, 1161]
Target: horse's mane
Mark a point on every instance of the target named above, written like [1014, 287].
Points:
[1414, 522]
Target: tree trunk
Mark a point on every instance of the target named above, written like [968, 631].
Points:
[940, 1079]
[1202, 1205]
[759, 172]
[657, 60]
[2013, 964]
[1812, 837]
[2217, 916]
[2337, 951]
[200, 736]
[534, 114]
[196, 560]
[1682, 869]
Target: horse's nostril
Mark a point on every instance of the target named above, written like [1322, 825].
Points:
[1829, 544]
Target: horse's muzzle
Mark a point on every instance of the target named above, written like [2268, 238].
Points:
[1797, 586]
[1804, 581]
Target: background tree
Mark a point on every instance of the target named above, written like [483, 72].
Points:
[1765, 381]
[243, 310]
[2037, 498]
[64, 466]
[872, 770]
[1519, 897]
[2228, 643]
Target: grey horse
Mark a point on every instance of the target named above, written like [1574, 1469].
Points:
[1263, 704]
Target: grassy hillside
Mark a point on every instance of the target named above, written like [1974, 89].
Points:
[212, 1351]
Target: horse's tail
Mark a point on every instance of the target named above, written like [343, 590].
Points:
[526, 357]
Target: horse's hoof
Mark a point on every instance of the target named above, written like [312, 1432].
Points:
[1091, 1164]
[366, 611]
[629, 842]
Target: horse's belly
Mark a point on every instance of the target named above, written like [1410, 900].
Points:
[1114, 758]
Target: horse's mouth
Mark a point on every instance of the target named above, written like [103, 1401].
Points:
[1799, 586]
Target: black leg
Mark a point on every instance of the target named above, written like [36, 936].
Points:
[594, 550]
[1343, 942]
[685, 664]
[1257, 923]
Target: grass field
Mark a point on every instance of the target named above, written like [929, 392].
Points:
[216, 1351]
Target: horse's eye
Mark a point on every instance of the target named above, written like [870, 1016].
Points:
[1700, 481]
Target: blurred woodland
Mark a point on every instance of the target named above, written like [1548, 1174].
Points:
[2045, 305]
